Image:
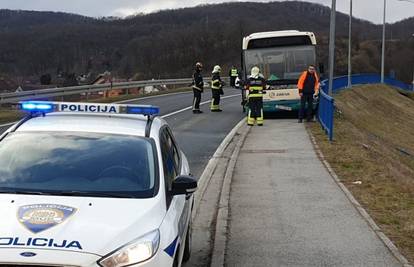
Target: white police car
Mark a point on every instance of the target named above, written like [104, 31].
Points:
[86, 184]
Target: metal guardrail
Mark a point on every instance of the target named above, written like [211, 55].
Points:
[86, 89]
[341, 82]
[326, 113]
[327, 103]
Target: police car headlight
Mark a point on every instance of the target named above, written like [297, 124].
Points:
[134, 252]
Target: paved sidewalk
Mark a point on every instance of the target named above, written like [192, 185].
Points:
[286, 210]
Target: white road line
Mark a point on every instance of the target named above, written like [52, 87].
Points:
[164, 116]
[149, 97]
[190, 107]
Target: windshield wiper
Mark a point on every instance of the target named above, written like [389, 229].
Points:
[22, 192]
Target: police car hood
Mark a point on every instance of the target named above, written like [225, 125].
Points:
[95, 226]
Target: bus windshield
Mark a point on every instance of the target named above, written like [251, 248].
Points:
[280, 63]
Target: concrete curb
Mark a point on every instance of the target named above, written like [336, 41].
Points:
[220, 237]
[387, 242]
[211, 167]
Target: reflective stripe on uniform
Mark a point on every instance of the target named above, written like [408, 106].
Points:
[256, 88]
[250, 120]
[255, 95]
[234, 73]
[213, 84]
[214, 107]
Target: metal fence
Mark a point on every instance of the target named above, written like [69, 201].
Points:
[87, 89]
[341, 82]
[327, 103]
[326, 113]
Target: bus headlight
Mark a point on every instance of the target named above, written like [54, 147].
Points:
[134, 252]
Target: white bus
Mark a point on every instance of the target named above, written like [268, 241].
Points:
[281, 56]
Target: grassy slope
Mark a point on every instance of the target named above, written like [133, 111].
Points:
[373, 124]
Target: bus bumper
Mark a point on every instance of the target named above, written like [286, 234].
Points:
[284, 105]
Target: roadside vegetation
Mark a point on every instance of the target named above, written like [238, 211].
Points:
[373, 155]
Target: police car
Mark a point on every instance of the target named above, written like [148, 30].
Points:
[85, 184]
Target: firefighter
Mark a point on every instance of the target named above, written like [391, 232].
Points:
[198, 86]
[216, 89]
[233, 73]
[308, 86]
[255, 86]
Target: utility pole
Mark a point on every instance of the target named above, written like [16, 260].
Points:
[332, 46]
[383, 43]
[350, 46]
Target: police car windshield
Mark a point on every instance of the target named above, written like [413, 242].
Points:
[85, 164]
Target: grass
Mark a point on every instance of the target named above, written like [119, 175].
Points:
[374, 144]
[9, 114]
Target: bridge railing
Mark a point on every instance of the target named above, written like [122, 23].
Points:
[87, 89]
[326, 113]
[341, 82]
[327, 103]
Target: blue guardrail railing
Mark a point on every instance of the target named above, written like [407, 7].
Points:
[326, 113]
[327, 103]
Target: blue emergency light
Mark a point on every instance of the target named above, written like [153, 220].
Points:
[36, 106]
[47, 107]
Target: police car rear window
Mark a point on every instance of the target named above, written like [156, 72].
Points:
[78, 164]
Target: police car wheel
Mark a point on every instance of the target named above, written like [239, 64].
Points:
[187, 247]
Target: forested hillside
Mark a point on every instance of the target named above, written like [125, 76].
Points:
[167, 43]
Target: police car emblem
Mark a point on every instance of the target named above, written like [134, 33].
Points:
[40, 217]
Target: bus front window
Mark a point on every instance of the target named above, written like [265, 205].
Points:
[280, 63]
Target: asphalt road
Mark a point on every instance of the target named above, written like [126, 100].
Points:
[198, 135]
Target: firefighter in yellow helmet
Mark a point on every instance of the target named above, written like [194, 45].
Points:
[255, 86]
[216, 89]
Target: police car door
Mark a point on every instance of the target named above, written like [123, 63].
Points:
[177, 213]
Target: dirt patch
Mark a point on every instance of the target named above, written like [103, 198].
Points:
[373, 154]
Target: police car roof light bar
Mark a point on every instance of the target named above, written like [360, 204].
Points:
[43, 107]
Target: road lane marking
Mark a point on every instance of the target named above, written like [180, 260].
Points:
[164, 116]
[190, 107]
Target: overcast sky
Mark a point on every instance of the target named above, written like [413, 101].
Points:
[367, 9]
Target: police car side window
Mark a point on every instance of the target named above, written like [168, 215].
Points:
[176, 153]
[167, 159]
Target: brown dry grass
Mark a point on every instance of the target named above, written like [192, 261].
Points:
[7, 115]
[374, 143]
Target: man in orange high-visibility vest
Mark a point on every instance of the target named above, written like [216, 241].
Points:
[308, 86]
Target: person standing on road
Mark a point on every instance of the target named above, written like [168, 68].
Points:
[198, 86]
[233, 73]
[308, 86]
[255, 86]
[216, 89]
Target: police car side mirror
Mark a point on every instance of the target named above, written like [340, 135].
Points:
[184, 185]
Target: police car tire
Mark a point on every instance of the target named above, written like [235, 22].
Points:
[187, 246]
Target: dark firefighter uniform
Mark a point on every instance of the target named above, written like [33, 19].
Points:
[198, 85]
[234, 73]
[255, 87]
[216, 89]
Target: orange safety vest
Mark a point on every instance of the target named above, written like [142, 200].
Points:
[302, 80]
